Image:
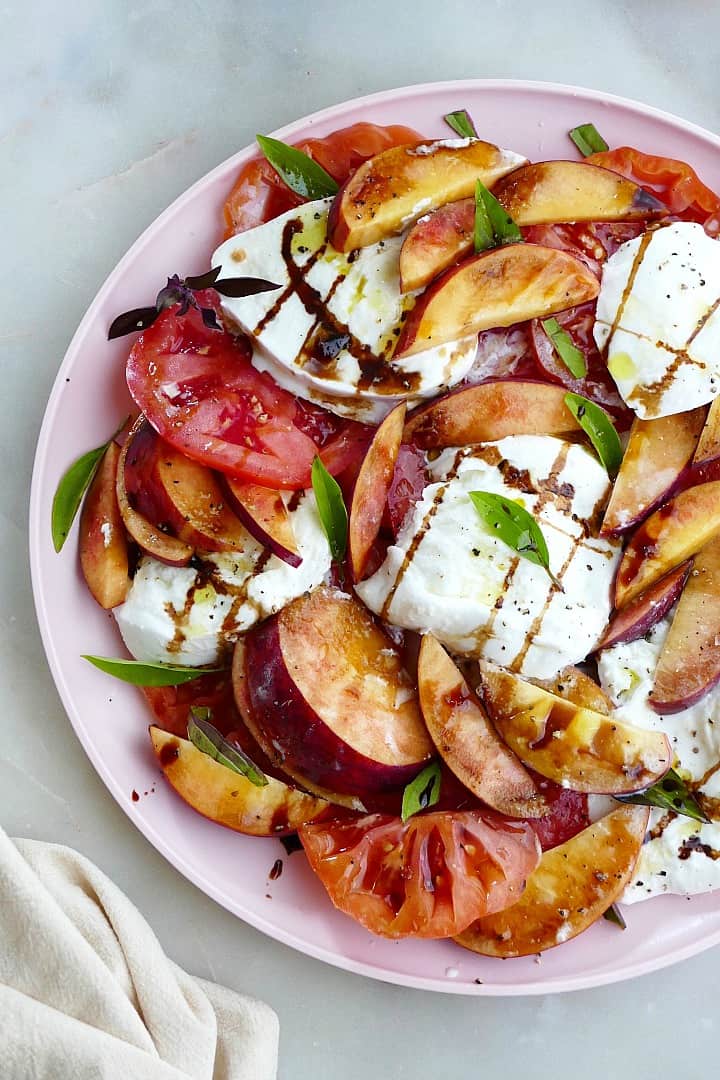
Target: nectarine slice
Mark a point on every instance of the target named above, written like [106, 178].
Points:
[491, 411]
[264, 514]
[224, 796]
[579, 748]
[103, 542]
[708, 446]
[657, 452]
[468, 742]
[435, 242]
[674, 533]
[574, 685]
[391, 190]
[497, 288]
[372, 487]
[689, 664]
[641, 614]
[572, 887]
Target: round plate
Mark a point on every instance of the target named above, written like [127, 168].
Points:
[111, 718]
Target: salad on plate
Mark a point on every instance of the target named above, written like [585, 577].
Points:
[413, 538]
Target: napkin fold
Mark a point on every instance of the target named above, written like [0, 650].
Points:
[86, 991]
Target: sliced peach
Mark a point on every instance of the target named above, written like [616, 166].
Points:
[103, 541]
[228, 798]
[577, 747]
[641, 614]
[264, 514]
[708, 446]
[435, 242]
[574, 685]
[392, 189]
[689, 663]
[572, 887]
[498, 288]
[467, 741]
[674, 533]
[491, 411]
[657, 453]
[557, 191]
[371, 489]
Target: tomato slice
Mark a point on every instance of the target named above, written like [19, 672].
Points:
[429, 877]
[503, 353]
[259, 195]
[199, 390]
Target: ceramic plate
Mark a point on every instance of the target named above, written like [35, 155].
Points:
[111, 719]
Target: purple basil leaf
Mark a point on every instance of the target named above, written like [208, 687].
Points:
[244, 286]
[169, 296]
[210, 318]
[204, 281]
[131, 321]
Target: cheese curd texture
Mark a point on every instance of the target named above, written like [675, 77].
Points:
[678, 854]
[188, 616]
[360, 291]
[450, 574]
[658, 319]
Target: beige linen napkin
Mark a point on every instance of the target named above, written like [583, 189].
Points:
[86, 990]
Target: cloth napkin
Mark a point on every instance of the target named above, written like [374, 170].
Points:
[87, 992]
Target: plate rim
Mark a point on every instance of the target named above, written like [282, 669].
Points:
[36, 521]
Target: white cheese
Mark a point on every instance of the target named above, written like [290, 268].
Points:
[360, 291]
[673, 859]
[449, 574]
[658, 319]
[186, 616]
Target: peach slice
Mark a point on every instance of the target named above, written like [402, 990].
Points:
[103, 542]
[641, 614]
[689, 663]
[467, 741]
[224, 796]
[435, 242]
[657, 453]
[708, 446]
[572, 887]
[391, 190]
[490, 411]
[577, 747]
[574, 685]
[371, 489]
[674, 533]
[264, 514]
[498, 288]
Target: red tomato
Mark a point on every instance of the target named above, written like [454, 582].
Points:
[429, 877]
[568, 814]
[597, 384]
[200, 392]
[260, 195]
[503, 353]
[675, 182]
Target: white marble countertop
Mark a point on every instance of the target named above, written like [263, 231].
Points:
[110, 109]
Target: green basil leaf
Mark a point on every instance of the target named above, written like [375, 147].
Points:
[461, 123]
[515, 527]
[670, 793]
[600, 430]
[588, 139]
[572, 357]
[615, 915]
[331, 508]
[301, 174]
[208, 739]
[422, 792]
[504, 229]
[73, 485]
[140, 673]
[483, 235]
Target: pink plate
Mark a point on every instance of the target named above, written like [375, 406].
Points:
[110, 718]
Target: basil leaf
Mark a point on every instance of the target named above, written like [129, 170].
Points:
[203, 281]
[600, 429]
[504, 229]
[141, 673]
[572, 357]
[208, 739]
[331, 508]
[516, 528]
[614, 915]
[670, 793]
[461, 123]
[483, 234]
[73, 485]
[132, 321]
[301, 174]
[244, 286]
[422, 792]
[588, 139]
